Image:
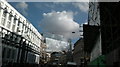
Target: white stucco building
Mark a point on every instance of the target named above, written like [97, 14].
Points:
[20, 39]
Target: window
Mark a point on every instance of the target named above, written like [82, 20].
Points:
[8, 24]
[13, 54]
[3, 52]
[8, 53]
[12, 38]
[19, 23]
[18, 30]
[26, 29]
[17, 39]
[3, 35]
[3, 21]
[9, 18]
[0, 34]
[13, 27]
[4, 14]
[14, 21]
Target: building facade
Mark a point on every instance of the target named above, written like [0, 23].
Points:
[56, 58]
[20, 39]
[110, 29]
[92, 35]
[79, 55]
[55, 43]
[102, 34]
[78, 52]
[43, 56]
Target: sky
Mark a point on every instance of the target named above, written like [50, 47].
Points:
[55, 17]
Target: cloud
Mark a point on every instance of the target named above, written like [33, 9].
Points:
[83, 6]
[23, 7]
[60, 23]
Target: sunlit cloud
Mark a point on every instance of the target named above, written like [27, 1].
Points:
[60, 23]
